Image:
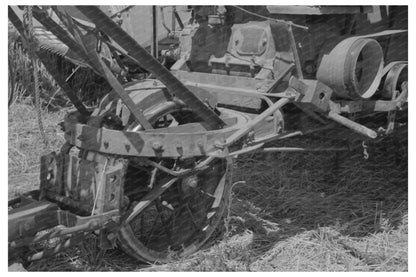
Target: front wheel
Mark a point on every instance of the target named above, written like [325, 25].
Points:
[182, 218]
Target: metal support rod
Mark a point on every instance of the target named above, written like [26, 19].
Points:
[361, 129]
[149, 198]
[251, 124]
[178, 18]
[154, 33]
[286, 149]
[173, 26]
[111, 29]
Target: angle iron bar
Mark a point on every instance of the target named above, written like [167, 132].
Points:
[114, 31]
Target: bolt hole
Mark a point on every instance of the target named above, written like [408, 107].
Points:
[322, 95]
[113, 178]
[112, 197]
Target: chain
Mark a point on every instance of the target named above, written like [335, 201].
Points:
[365, 153]
[28, 18]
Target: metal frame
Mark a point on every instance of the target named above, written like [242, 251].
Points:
[212, 139]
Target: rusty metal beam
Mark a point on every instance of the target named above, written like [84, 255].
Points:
[113, 30]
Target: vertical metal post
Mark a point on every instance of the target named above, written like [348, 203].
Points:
[173, 19]
[155, 49]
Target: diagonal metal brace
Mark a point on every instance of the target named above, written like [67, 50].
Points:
[115, 32]
[101, 66]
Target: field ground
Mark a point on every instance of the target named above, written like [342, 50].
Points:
[289, 212]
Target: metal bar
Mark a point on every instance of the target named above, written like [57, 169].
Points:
[114, 31]
[356, 127]
[292, 134]
[149, 198]
[251, 124]
[295, 53]
[286, 149]
[178, 18]
[118, 88]
[121, 11]
[154, 33]
[301, 149]
[290, 23]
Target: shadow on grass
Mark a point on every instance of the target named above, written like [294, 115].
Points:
[288, 193]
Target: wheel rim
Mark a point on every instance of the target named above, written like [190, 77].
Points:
[184, 216]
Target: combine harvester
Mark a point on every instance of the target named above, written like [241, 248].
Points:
[148, 169]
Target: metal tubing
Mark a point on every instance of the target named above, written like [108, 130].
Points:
[146, 60]
[284, 149]
[361, 129]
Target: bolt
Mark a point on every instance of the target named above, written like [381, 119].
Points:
[219, 144]
[127, 146]
[111, 236]
[200, 144]
[157, 146]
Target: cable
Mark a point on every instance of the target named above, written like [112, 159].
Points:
[272, 19]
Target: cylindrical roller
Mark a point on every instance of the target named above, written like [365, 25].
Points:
[394, 78]
[353, 68]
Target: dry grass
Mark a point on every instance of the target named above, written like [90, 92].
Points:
[84, 82]
[26, 145]
[289, 212]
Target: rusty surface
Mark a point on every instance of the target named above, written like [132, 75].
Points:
[143, 143]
